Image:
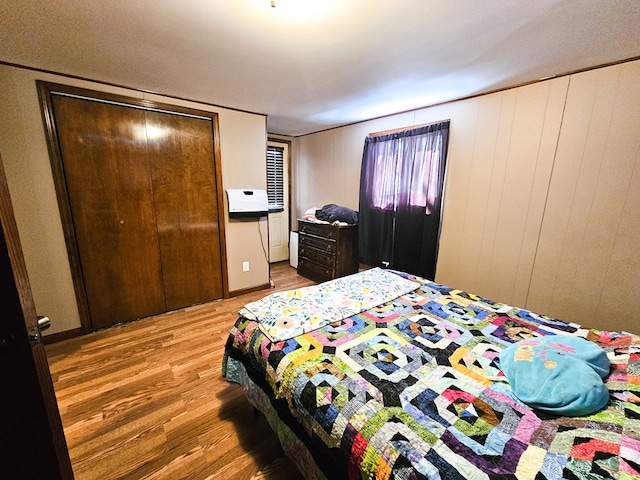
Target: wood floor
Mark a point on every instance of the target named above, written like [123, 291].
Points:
[147, 400]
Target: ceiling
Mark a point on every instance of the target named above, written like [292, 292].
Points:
[311, 65]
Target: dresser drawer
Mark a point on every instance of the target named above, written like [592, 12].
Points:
[314, 271]
[318, 229]
[318, 256]
[317, 242]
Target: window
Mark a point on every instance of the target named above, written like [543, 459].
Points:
[401, 186]
[406, 170]
[275, 178]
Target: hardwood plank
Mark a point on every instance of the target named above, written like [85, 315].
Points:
[146, 400]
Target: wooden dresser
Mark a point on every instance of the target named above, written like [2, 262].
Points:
[326, 251]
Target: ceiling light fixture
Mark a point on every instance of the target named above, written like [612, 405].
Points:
[273, 3]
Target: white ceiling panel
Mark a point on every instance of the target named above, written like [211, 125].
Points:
[310, 65]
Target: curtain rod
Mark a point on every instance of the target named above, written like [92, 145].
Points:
[404, 129]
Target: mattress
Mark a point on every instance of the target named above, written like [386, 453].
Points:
[412, 388]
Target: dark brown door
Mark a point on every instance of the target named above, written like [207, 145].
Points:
[32, 443]
[106, 166]
[184, 191]
[143, 197]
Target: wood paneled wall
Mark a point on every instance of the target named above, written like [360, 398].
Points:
[542, 196]
[496, 189]
[587, 267]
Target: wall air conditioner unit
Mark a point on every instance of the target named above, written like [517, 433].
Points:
[247, 203]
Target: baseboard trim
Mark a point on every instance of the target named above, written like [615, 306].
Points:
[237, 293]
[58, 337]
[77, 332]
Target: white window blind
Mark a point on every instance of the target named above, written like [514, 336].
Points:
[275, 178]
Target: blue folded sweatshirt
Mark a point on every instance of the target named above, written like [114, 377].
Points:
[557, 373]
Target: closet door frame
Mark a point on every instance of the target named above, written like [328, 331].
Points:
[46, 91]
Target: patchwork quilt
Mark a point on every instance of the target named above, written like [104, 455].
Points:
[412, 389]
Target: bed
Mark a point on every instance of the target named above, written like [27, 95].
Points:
[411, 386]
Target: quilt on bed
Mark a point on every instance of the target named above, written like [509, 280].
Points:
[413, 389]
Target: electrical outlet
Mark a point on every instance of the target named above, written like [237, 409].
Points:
[245, 266]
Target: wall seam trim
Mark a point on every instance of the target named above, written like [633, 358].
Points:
[546, 199]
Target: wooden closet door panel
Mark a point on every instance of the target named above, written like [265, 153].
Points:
[184, 185]
[106, 166]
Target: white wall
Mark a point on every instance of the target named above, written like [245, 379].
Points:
[539, 195]
[26, 160]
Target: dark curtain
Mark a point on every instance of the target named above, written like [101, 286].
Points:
[401, 184]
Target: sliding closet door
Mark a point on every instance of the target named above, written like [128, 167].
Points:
[184, 186]
[108, 178]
